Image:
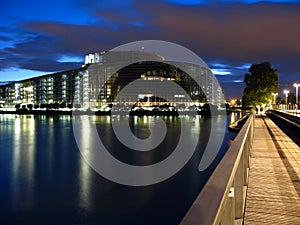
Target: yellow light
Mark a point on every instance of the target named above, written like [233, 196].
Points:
[233, 101]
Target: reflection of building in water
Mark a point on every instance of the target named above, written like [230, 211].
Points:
[104, 75]
[23, 161]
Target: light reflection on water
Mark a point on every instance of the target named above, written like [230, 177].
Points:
[85, 170]
[234, 116]
[44, 179]
[23, 161]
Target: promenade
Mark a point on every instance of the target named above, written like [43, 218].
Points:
[273, 195]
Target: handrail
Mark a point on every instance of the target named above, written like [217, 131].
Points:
[288, 120]
[222, 199]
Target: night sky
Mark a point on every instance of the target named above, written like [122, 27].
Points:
[39, 37]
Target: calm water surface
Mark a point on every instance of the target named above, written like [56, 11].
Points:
[44, 179]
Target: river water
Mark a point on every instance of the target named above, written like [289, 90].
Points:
[45, 180]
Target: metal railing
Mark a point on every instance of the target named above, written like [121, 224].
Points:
[286, 117]
[222, 199]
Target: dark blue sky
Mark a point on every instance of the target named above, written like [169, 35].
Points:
[38, 37]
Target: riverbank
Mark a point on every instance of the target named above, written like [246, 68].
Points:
[237, 125]
[105, 113]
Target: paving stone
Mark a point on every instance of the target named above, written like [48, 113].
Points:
[273, 195]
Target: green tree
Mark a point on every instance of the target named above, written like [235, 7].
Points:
[55, 105]
[18, 106]
[29, 106]
[62, 105]
[261, 82]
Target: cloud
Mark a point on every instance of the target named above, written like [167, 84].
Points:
[227, 35]
[202, 2]
[220, 72]
[234, 31]
[188, 2]
[5, 38]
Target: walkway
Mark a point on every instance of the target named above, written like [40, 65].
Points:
[273, 195]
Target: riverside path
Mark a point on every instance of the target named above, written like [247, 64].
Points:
[273, 195]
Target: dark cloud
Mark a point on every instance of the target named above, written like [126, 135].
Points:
[5, 38]
[232, 34]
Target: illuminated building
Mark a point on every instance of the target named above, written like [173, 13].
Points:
[100, 80]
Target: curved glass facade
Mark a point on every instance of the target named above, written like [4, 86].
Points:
[99, 83]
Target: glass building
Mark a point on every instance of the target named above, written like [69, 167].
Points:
[103, 77]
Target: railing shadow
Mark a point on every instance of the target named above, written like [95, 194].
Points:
[289, 167]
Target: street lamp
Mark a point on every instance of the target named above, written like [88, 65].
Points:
[286, 92]
[297, 101]
[274, 95]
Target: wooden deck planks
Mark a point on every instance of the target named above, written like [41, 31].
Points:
[273, 195]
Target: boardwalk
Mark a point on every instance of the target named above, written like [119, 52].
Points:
[273, 195]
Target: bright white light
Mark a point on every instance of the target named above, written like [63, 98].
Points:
[66, 58]
[296, 85]
[179, 96]
[238, 81]
[244, 66]
[218, 65]
[220, 72]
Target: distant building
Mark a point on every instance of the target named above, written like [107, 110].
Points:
[94, 57]
[103, 76]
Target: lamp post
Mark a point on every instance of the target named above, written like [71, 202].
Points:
[297, 100]
[274, 95]
[286, 92]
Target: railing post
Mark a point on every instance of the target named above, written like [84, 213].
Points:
[246, 156]
[251, 137]
[249, 140]
[239, 189]
[229, 211]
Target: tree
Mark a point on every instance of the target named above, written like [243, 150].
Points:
[55, 105]
[62, 105]
[18, 106]
[29, 106]
[261, 82]
[49, 106]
